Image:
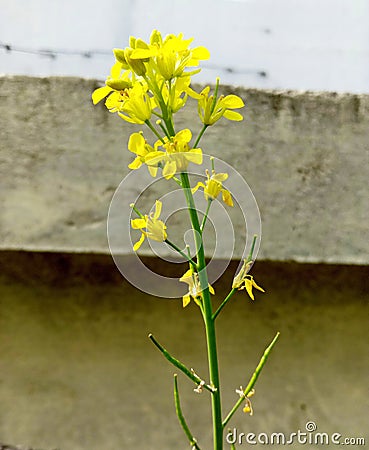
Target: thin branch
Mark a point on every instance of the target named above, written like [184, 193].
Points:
[202, 131]
[181, 419]
[149, 124]
[190, 373]
[252, 381]
[177, 249]
[206, 215]
[224, 302]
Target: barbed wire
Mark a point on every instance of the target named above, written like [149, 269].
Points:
[88, 54]
[53, 53]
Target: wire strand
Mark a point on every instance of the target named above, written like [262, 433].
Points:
[88, 54]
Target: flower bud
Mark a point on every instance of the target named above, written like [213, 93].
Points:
[137, 65]
[117, 84]
[119, 56]
[166, 65]
[156, 38]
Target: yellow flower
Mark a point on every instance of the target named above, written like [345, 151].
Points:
[245, 281]
[130, 100]
[138, 145]
[177, 156]
[135, 65]
[135, 105]
[210, 113]
[150, 226]
[114, 84]
[248, 405]
[194, 288]
[176, 97]
[213, 187]
[171, 56]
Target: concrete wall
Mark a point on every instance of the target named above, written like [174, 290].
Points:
[76, 368]
[77, 371]
[304, 155]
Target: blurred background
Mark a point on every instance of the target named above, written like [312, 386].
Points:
[284, 44]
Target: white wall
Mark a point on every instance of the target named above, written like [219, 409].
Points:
[311, 44]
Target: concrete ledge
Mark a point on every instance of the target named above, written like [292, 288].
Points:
[305, 156]
[61, 269]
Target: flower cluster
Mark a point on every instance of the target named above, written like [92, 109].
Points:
[150, 75]
[153, 79]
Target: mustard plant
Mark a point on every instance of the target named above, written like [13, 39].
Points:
[148, 84]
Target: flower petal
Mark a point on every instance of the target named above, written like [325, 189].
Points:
[200, 53]
[192, 93]
[138, 224]
[198, 185]
[130, 119]
[232, 101]
[256, 286]
[226, 197]
[233, 115]
[143, 53]
[158, 205]
[169, 170]
[248, 286]
[115, 70]
[136, 144]
[187, 277]
[184, 135]
[154, 158]
[135, 164]
[139, 243]
[194, 155]
[219, 177]
[100, 93]
[153, 171]
[186, 300]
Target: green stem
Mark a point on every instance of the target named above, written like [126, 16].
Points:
[252, 381]
[181, 418]
[178, 181]
[136, 211]
[202, 131]
[157, 114]
[249, 258]
[206, 215]
[177, 249]
[192, 212]
[149, 124]
[207, 315]
[159, 122]
[215, 95]
[190, 373]
[169, 123]
[224, 302]
[165, 112]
